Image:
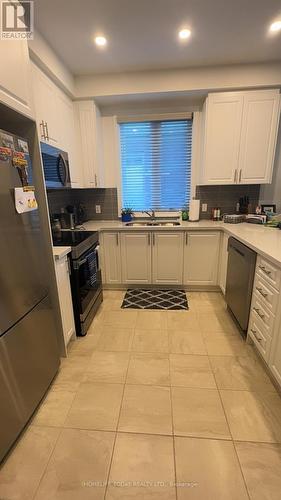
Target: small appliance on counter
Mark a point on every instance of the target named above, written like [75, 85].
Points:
[85, 277]
[255, 218]
[244, 205]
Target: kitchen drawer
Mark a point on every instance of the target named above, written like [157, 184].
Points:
[259, 310]
[258, 335]
[269, 272]
[266, 293]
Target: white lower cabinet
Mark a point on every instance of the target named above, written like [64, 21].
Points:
[136, 257]
[65, 298]
[111, 264]
[201, 257]
[275, 355]
[265, 316]
[223, 262]
[161, 257]
[167, 258]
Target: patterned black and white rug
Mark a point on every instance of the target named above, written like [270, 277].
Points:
[155, 299]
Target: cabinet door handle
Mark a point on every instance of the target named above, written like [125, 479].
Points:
[42, 130]
[47, 131]
[259, 339]
[96, 182]
[186, 238]
[235, 175]
[148, 237]
[261, 292]
[153, 239]
[265, 270]
[258, 312]
[240, 173]
[117, 239]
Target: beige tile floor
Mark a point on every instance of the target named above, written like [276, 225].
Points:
[153, 405]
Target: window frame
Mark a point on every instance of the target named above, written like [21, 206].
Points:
[195, 153]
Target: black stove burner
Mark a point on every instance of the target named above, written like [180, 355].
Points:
[79, 241]
[70, 238]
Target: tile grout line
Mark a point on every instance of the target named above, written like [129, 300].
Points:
[62, 428]
[232, 439]
[117, 425]
[47, 464]
[173, 429]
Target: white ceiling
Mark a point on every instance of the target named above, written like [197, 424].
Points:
[142, 34]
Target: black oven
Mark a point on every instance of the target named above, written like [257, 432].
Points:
[86, 288]
[85, 276]
[56, 167]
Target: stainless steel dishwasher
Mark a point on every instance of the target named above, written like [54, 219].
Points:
[239, 281]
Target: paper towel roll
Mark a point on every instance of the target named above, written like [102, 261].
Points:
[194, 210]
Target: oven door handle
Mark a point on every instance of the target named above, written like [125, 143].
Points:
[97, 249]
[79, 263]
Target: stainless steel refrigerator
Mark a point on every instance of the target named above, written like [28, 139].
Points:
[29, 353]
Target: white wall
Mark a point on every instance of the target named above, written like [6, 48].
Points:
[271, 193]
[207, 79]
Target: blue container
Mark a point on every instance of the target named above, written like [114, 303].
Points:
[126, 217]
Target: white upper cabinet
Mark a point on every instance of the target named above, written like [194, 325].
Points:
[136, 257]
[46, 109]
[223, 116]
[258, 136]
[167, 258]
[88, 116]
[55, 119]
[15, 75]
[201, 258]
[240, 130]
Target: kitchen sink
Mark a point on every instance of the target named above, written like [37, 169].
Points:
[153, 223]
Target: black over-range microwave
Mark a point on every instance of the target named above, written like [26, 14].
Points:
[56, 166]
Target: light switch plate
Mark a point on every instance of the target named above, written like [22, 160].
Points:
[98, 209]
[204, 207]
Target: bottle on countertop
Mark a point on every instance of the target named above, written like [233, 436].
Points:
[216, 213]
[184, 214]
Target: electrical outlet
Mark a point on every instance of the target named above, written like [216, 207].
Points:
[204, 207]
[98, 209]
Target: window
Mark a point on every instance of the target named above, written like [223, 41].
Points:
[156, 164]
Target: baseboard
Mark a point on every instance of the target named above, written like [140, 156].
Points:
[188, 288]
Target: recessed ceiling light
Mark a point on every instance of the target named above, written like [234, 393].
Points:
[100, 41]
[275, 26]
[184, 34]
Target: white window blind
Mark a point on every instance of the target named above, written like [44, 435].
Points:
[156, 164]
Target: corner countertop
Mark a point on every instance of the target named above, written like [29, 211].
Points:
[265, 241]
[60, 252]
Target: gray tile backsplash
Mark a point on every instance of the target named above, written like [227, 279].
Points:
[89, 198]
[226, 197]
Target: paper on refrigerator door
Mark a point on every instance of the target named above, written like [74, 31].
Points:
[25, 200]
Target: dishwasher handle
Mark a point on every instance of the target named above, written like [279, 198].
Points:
[237, 251]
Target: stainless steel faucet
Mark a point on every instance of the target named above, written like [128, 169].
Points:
[151, 213]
